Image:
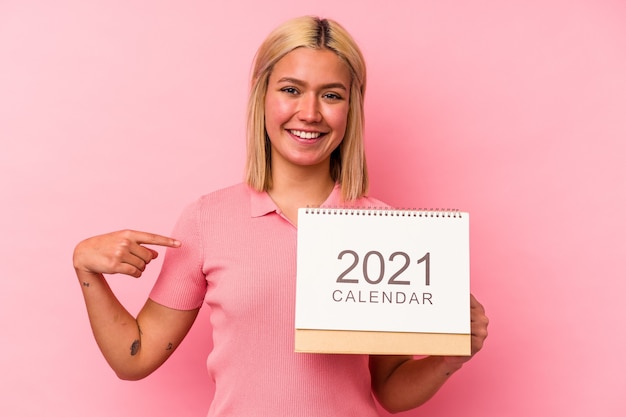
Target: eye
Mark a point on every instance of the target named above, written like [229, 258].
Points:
[289, 90]
[332, 96]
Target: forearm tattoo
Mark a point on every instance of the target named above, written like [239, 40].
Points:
[134, 347]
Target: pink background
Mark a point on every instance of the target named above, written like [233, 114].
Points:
[116, 114]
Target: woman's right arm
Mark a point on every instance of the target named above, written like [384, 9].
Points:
[133, 347]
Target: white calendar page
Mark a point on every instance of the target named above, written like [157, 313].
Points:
[383, 270]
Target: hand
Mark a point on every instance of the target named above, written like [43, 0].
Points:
[121, 252]
[479, 323]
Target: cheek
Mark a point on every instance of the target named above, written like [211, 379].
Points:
[338, 119]
[277, 112]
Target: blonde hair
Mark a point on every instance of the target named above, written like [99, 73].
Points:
[347, 166]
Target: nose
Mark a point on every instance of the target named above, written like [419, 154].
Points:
[309, 109]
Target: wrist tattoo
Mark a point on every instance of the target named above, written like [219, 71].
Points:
[85, 284]
[169, 346]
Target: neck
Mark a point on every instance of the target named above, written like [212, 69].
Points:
[299, 189]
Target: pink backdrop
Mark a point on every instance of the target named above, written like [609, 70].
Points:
[117, 114]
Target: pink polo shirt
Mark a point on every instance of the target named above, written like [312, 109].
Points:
[238, 255]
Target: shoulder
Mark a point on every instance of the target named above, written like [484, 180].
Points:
[220, 203]
[236, 191]
[229, 197]
[367, 201]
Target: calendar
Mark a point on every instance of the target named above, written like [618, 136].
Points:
[383, 281]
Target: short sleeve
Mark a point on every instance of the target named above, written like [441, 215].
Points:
[182, 283]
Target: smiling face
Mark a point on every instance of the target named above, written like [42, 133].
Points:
[306, 108]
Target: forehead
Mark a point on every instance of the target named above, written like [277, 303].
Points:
[315, 66]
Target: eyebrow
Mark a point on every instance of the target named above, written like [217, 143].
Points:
[302, 83]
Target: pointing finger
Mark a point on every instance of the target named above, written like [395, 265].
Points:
[152, 239]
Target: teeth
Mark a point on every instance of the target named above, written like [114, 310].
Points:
[305, 135]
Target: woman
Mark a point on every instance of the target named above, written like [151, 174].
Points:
[235, 250]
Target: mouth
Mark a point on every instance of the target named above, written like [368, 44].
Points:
[305, 135]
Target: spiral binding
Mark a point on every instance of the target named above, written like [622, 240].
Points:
[382, 212]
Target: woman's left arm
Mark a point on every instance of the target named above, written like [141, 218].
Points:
[402, 383]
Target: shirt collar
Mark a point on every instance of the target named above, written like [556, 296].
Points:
[334, 198]
[261, 203]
